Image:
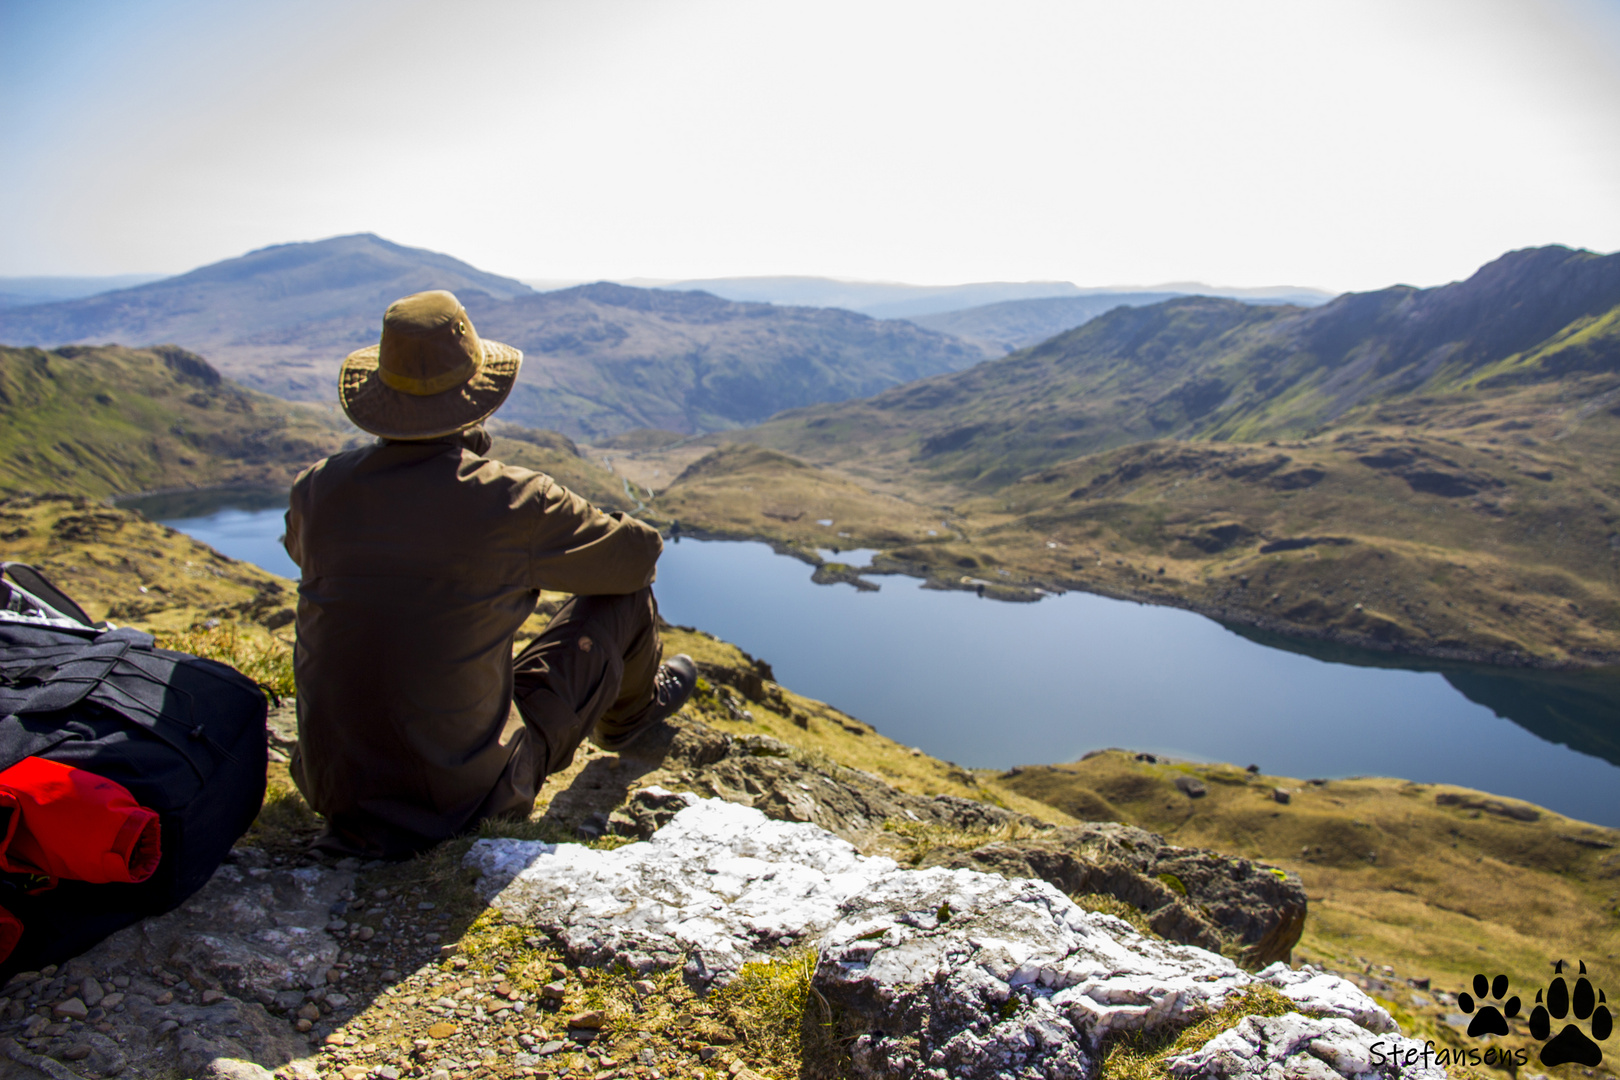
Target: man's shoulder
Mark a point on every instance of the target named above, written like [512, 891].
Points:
[486, 469]
[343, 460]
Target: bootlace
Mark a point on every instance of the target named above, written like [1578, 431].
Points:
[666, 684]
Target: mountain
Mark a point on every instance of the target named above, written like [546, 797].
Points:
[894, 300]
[108, 420]
[1011, 325]
[1204, 367]
[17, 291]
[880, 299]
[273, 318]
[600, 359]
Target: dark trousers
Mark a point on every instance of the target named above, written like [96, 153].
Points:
[594, 665]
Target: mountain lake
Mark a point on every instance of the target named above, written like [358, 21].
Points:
[989, 684]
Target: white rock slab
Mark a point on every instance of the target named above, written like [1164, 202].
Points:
[1318, 991]
[1300, 1047]
[959, 973]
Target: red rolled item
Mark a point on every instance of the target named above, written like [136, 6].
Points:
[66, 823]
[11, 930]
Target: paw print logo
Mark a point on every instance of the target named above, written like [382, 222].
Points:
[1489, 1020]
[1571, 1044]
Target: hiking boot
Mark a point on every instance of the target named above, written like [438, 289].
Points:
[672, 688]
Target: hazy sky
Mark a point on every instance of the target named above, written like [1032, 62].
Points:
[1342, 145]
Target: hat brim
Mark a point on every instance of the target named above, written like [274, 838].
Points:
[376, 407]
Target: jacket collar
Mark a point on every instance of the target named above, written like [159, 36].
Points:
[474, 438]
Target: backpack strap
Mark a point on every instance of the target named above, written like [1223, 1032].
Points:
[49, 681]
[40, 586]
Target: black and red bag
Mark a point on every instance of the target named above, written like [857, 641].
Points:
[185, 736]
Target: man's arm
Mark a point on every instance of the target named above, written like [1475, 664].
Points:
[292, 539]
[579, 549]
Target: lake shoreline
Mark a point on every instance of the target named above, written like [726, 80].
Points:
[885, 564]
[890, 662]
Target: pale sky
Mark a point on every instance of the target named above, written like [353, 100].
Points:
[1339, 145]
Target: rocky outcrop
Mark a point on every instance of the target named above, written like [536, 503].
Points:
[946, 972]
[789, 785]
[1191, 896]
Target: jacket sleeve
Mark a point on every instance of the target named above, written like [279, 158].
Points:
[579, 549]
[292, 538]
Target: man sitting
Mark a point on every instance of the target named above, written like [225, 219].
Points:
[420, 558]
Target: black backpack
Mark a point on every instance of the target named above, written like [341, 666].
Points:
[185, 735]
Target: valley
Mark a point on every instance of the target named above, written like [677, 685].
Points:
[1435, 478]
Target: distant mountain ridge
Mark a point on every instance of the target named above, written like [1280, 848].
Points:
[1203, 367]
[879, 299]
[896, 300]
[1017, 324]
[272, 296]
[17, 291]
[601, 358]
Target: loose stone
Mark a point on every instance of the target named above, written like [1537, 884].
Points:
[71, 1009]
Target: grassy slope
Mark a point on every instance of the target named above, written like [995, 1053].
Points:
[749, 491]
[109, 420]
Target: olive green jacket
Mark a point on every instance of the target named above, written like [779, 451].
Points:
[419, 562]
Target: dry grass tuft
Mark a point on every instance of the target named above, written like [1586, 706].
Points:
[261, 656]
[1104, 904]
[780, 1019]
[285, 825]
[919, 839]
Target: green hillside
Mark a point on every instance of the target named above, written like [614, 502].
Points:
[1206, 368]
[114, 421]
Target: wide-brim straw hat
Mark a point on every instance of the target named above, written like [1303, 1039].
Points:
[429, 375]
